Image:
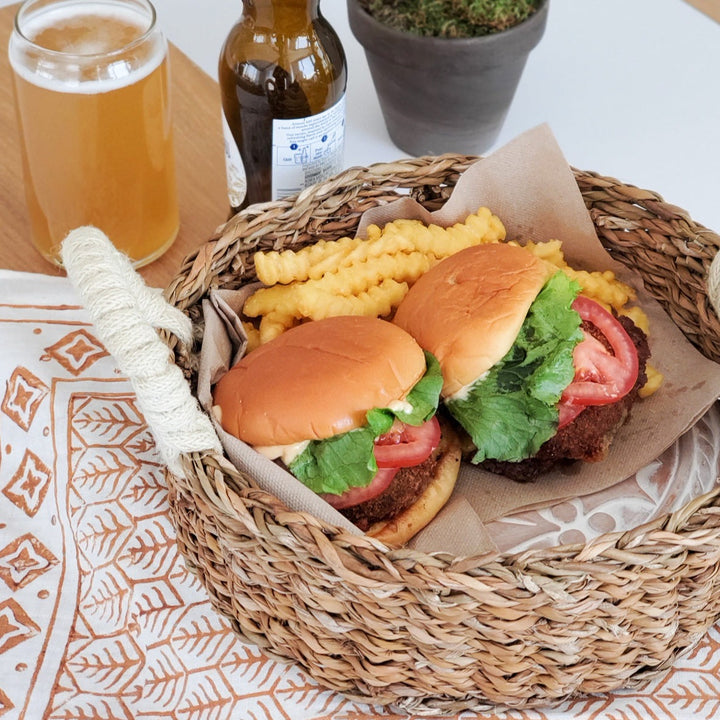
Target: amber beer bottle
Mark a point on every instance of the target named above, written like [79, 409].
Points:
[282, 75]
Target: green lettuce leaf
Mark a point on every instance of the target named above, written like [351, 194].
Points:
[512, 410]
[338, 463]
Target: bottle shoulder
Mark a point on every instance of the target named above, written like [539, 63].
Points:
[316, 57]
[248, 41]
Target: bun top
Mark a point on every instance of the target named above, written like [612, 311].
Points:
[468, 309]
[317, 380]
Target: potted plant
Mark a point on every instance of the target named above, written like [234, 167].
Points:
[446, 71]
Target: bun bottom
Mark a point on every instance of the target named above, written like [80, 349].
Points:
[399, 529]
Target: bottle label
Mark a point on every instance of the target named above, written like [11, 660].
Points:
[236, 178]
[307, 150]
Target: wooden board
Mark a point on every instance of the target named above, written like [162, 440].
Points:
[200, 167]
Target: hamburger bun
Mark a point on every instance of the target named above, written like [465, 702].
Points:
[560, 395]
[317, 380]
[485, 292]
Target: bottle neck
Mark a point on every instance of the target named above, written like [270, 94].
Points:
[280, 13]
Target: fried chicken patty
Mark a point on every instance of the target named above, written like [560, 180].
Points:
[406, 487]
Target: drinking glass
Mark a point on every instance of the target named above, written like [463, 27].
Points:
[91, 84]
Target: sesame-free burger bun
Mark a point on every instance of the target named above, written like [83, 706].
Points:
[317, 380]
[484, 291]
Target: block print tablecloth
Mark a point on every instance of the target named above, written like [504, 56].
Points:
[99, 618]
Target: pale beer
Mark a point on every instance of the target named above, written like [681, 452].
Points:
[91, 84]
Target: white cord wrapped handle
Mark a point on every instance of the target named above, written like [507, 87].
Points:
[713, 283]
[127, 314]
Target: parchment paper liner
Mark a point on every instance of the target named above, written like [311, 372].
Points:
[530, 186]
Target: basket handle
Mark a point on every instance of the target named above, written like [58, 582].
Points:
[713, 283]
[127, 314]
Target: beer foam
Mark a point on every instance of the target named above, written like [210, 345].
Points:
[113, 28]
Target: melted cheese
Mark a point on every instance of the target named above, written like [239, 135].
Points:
[463, 392]
[286, 453]
[401, 406]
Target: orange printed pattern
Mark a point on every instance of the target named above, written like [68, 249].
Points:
[23, 396]
[99, 618]
[77, 351]
[23, 560]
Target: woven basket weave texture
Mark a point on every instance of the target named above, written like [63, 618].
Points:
[436, 634]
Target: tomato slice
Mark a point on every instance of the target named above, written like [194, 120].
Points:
[407, 445]
[568, 412]
[601, 377]
[357, 495]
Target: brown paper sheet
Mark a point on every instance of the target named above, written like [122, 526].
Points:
[530, 186]
[710, 7]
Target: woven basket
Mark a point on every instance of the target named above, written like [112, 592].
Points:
[436, 634]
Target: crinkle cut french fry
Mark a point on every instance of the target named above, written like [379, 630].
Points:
[297, 265]
[253, 336]
[550, 250]
[600, 285]
[325, 256]
[603, 286]
[273, 324]
[403, 267]
[412, 236]
[654, 380]
[363, 277]
[278, 298]
[398, 236]
[306, 300]
[311, 304]
[377, 301]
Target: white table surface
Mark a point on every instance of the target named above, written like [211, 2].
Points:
[630, 89]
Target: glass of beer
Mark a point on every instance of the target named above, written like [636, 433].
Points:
[92, 96]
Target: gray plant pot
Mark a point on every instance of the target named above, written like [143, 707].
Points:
[445, 95]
